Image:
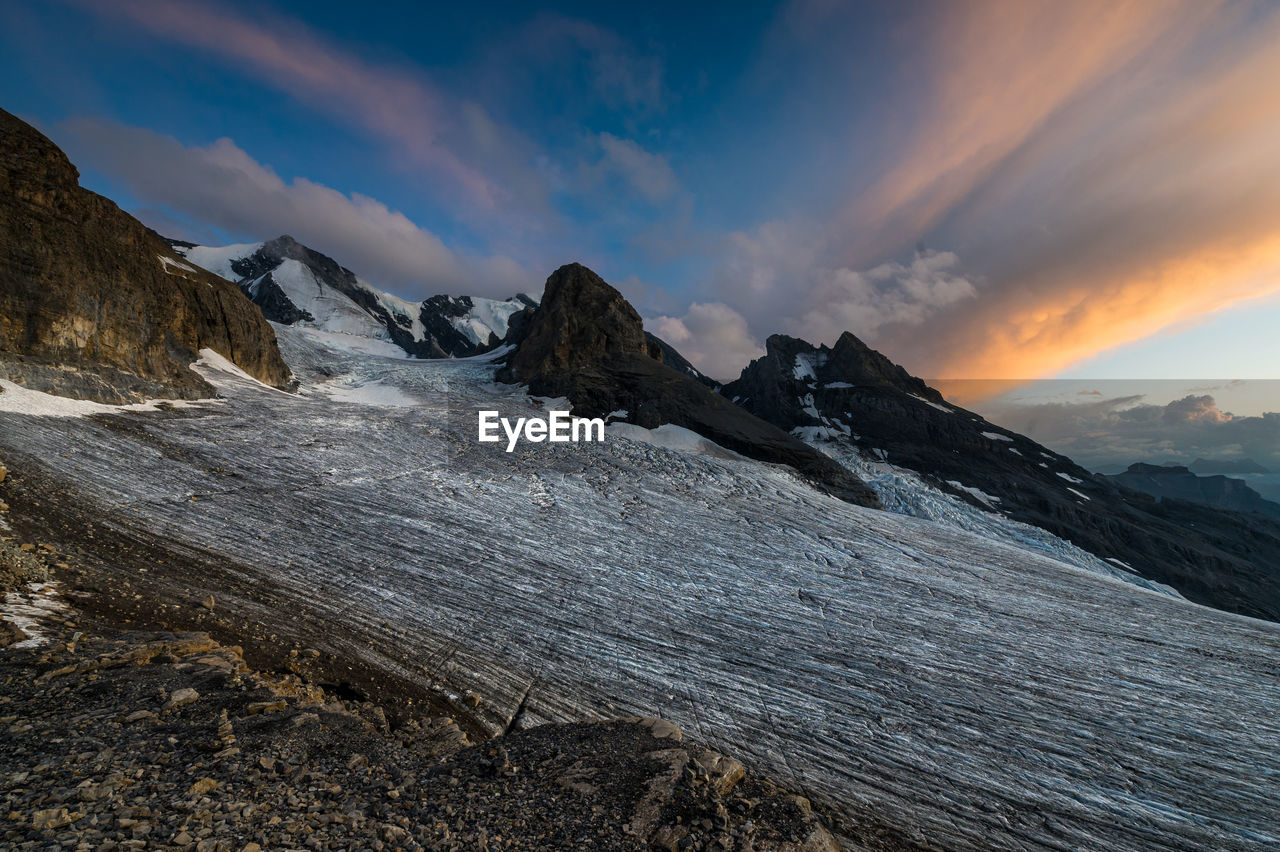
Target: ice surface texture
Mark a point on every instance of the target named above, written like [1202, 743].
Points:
[973, 692]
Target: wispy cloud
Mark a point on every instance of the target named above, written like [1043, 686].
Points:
[222, 185]
[647, 173]
[454, 141]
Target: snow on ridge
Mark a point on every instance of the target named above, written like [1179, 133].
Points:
[485, 316]
[938, 406]
[218, 259]
[1069, 478]
[996, 436]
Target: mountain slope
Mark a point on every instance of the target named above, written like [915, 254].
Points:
[95, 306]
[850, 398]
[294, 284]
[585, 342]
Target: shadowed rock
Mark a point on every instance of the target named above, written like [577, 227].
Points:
[587, 343]
[94, 305]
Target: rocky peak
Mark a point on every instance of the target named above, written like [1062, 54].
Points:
[587, 343]
[581, 321]
[853, 361]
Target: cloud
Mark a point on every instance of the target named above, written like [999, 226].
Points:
[1113, 433]
[222, 185]
[1105, 172]
[782, 273]
[649, 174]
[455, 141]
[713, 336]
[889, 294]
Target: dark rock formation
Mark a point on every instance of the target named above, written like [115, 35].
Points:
[856, 397]
[94, 305]
[1166, 482]
[668, 355]
[585, 342]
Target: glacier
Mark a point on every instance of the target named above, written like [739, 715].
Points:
[970, 687]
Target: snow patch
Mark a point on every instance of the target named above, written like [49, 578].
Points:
[167, 262]
[977, 493]
[803, 369]
[933, 404]
[671, 437]
[28, 610]
[1069, 478]
[20, 400]
[375, 393]
[996, 436]
[1078, 494]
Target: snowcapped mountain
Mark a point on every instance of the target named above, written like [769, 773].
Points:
[884, 423]
[296, 285]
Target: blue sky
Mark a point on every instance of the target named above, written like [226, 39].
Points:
[980, 189]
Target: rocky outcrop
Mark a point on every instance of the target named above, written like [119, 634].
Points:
[1173, 482]
[587, 343]
[94, 305]
[855, 397]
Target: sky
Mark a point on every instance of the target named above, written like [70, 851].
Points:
[982, 190]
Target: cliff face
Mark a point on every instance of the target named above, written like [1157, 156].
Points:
[93, 305]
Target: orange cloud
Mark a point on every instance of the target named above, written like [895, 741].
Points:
[1111, 171]
[1049, 333]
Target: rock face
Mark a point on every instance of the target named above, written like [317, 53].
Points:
[1171, 482]
[93, 305]
[854, 397]
[297, 285]
[585, 342]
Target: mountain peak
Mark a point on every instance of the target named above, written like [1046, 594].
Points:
[587, 343]
[581, 320]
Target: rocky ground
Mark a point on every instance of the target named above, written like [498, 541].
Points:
[118, 737]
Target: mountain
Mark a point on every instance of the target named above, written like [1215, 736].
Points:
[1206, 467]
[1171, 482]
[587, 343]
[95, 306]
[297, 285]
[857, 404]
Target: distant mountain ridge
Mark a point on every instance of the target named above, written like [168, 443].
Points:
[297, 285]
[851, 398]
[1209, 467]
[1174, 482]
